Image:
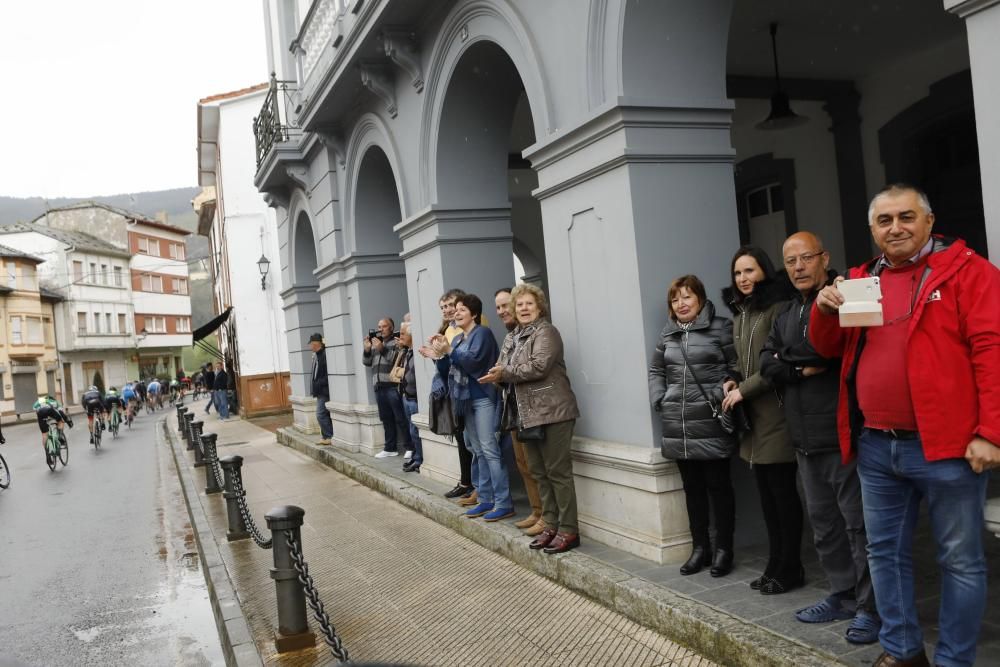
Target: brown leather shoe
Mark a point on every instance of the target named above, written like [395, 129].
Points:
[528, 522]
[542, 541]
[886, 660]
[562, 543]
[470, 501]
[536, 529]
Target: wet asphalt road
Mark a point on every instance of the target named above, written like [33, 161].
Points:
[98, 565]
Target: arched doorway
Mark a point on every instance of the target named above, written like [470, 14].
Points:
[304, 315]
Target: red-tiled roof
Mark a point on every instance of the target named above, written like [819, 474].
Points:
[232, 94]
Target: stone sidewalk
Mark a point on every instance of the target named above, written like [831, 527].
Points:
[400, 587]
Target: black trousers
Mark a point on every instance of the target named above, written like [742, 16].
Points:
[464, 455]
[707, 484]
[782, 509]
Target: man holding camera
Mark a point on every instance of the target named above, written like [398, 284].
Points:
[920, 409]
[380, 355]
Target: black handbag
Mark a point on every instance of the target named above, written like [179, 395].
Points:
[531, 434]
[733, 421]
[441, 418]
[510, 420]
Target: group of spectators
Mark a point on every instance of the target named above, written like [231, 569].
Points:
[216, 382]
[871, 420]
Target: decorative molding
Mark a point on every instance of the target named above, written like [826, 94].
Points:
[378, 78]
[966, 8]
[334, 140]
[277, 198]
[400, 46]
[298, 174]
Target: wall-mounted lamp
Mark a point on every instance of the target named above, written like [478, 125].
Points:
[263, 264]
[142, 334]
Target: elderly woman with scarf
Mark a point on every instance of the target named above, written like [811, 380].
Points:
[756, 296]
[469, 356]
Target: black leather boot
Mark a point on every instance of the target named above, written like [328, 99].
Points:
[722, 563]
[700, 557]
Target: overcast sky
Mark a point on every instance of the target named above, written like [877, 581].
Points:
[100, 97]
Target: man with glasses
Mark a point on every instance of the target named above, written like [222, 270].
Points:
[811, 385]
[920, 408]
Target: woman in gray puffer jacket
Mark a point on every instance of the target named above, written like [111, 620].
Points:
[692, 436]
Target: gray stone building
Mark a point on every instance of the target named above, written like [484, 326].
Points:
[610, 145]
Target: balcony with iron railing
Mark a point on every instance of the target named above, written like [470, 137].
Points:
[272, 125]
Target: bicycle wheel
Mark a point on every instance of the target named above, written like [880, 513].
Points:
[51, 450]
[63, 452]
[97, 437]
[4, 473]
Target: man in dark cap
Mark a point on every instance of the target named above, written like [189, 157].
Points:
[321, 387]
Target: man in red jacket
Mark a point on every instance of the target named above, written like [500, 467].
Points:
[920, 408]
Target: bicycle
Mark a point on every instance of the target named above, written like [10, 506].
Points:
[98, 429]
[115, 423]
[56, 446]
[4, 473]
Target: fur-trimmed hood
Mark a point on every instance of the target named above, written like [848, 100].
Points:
[766, 293]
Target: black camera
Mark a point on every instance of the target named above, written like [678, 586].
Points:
[373, 334]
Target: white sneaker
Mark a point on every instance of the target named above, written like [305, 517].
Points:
[384, 454]
[408, 455]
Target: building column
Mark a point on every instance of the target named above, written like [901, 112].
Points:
[982, 23]
[468, 249]
[631, 199]
[303, 316]
[357, 291]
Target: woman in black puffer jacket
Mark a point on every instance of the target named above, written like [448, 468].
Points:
[691, 434]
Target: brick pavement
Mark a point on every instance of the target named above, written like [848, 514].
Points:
[400, 587]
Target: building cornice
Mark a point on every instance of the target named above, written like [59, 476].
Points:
[966, 8]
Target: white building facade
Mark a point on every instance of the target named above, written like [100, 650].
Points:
[94, 324]
[409, 147]
[242, 229]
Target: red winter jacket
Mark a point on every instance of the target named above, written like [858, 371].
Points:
[953, 353]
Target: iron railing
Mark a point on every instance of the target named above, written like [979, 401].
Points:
[271, 124]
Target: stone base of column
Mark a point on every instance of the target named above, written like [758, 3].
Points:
[357, 428]
[440, 454]
[632, 499]
[286, 643]
[993, 516]
[304, 414]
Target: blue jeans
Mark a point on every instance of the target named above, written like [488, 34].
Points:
[323, 417]
[221, 400]
[410, 405]
[895, 476]
[488, 462]
[392, 416]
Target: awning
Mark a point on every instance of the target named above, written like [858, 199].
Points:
[211, 326]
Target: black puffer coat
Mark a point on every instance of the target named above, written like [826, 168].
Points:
[689, 429]
[810, 402]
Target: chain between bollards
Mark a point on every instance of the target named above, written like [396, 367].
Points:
[199, 446]
[213, 481]
[241, 499]
[330, 636]
[231, 466]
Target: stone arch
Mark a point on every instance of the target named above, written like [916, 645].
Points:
[371, 137]
[468, 26]
[302, 228]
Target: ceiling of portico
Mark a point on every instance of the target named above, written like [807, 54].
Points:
[823, 39]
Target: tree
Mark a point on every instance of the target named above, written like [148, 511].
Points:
[98, 382]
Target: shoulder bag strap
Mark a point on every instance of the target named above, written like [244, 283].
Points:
[687, 364]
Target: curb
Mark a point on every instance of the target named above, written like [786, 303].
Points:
[712, 632]
[234, 631]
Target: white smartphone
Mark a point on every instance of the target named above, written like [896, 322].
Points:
[862, 302]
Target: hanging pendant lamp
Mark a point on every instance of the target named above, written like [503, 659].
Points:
[781, 116]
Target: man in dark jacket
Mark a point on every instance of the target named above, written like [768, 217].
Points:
[380, 355]
[208, 382]
[321, 387]
[832, 490]
[220, 389]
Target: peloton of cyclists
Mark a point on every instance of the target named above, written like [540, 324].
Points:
[46, 407]
[93, 403]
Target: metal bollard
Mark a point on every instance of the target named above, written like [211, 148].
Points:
[231, 471]
[197, 444]
[186, 430]
[293, 631]
[180, 416]
[211, 456]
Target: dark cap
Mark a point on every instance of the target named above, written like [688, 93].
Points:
[316, 338]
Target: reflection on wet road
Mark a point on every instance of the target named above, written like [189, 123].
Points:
[98, 564]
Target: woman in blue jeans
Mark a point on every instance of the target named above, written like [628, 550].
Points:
[469, 356]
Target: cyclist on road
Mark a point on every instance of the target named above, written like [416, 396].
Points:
[128, 393]
[140, 389]
[114, 404]
[94, 404]
[46, 407]
[153, 391]
[176, 391]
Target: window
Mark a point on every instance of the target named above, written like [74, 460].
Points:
[121, 324]
[48, 330]
[34, 325]
[156, 324]
[93, 272]
[97, 323]
[152, 283]
[15, 330]
[81, 323]
[78, 272]
[28, 279]
[177, 251]
[118, 276]
[11, 275]
[180, 286]
[183, 325]
[107, 321]
[149, 246]
[104, 274]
